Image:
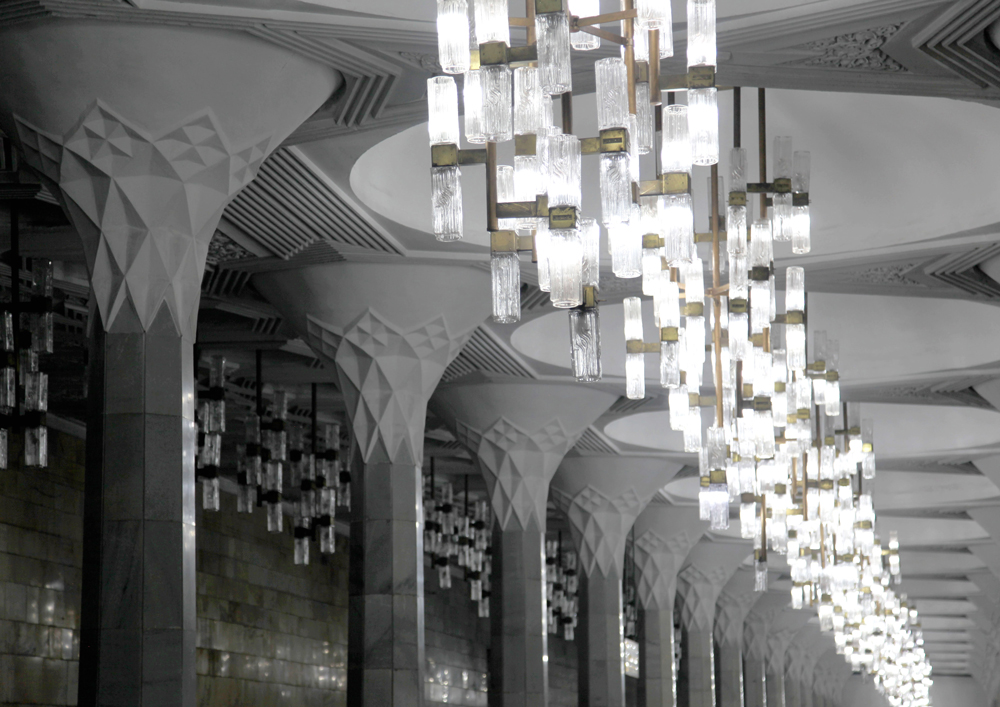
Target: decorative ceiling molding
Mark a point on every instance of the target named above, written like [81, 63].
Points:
[894, 274]
[942, 391]
[957, 40]
[291, 205]
[484, 353]
[592, 440]
[222, 249]
[368, 77]
[855, 50]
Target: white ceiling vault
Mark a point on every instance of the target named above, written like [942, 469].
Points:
[899, 103]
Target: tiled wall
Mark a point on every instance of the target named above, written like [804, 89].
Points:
[269, 632]
[41, 532]
[456, 644]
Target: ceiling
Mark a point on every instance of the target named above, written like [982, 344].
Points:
[901, 120]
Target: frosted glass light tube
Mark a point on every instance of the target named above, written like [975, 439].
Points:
[529, 116]
[526, 185]
[782, 211]
[625, 242]
[472, 99]
[552, 33]
[795, 289]
[616, 188]
[703, 118]
[565, 267]
[506, 273]
[643, 136]
[612, 93]
[542, 243]
[761, 248]
[497, 89]
[653, 14]
[492, 21]
[677, 223]
[635, 369]
[585, 342]
[675, 150]
[453, 36]
[800, 221]
[590, 234]
[701, 47]
[564, 170]
[442, 107]
[446, 199]
[582, 41]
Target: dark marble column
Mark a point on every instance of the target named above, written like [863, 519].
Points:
[754, 682]
[601, 636]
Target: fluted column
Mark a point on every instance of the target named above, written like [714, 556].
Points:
[734, 602]
[664, 534]
[518, 431]
[708, 567]
[601, 497]
[144, 137]
[389, 330]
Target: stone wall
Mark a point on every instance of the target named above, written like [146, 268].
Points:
[457, 641]
[41, 552]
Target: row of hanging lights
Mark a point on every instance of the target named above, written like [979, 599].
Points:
[272, 444]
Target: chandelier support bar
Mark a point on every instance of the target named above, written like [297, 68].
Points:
[762, 145]
[492, 222]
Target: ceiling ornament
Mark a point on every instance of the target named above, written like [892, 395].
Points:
[427, 62]
[885, 275]
[223, 249]
[855, 50]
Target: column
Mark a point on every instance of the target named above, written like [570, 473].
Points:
[601, 497]
[755, 631]
[734, 602]
[518, 431]
[144, 145]
[783, 628]
[708, 567]
[389, 330]
[664, 534]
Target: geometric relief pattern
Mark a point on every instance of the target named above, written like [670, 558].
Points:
[657, 559]
[600, 526]
[777, 646]
[518, 466]
[698, 591]
[730, 613]
[856, 50]
[386, 376]
[145, 206]
[756, 626]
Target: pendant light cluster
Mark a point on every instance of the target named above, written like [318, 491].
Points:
[562, 587]
[460, 534]
[535, 205]
[211, 418]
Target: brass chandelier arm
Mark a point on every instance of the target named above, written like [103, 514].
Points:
[604, 34]
[578, 23]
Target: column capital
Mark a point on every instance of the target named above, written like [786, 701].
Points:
[708, 567]
[735, 601]
[601, 497]
[664, 534]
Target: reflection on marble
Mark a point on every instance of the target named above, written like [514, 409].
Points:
[657, 682]
[696, 680]
[601, 636]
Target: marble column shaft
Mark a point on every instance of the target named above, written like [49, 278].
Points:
[519, 641]
[793, 692]
[730, 677]
[754, 682]
[696, 681]
[657, 682]
[775, 686]
[386, 579]
[601, 636]
[138, 633]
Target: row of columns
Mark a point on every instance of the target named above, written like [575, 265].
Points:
[144, 172]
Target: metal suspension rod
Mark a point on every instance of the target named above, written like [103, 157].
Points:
[762, 142]
[260, 384]
[737, 117]
[315, 425]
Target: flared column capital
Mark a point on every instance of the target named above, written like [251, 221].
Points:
[734, 603]
[518, 431]
[708, 567]
[664, 534]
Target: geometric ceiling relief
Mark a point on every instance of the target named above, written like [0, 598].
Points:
[518, 466]
[386, 376]
[663, 537]
[856, 50]
[957, 40]
[145, 206]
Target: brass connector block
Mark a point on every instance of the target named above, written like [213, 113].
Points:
[493, 53]
[747, 497]
[669, 333]
[503, 241]
[832, 376]
[589, 296]
[747, 391]
[779, 387]
[544, 7]
[652, 240]
[708, 237]
[539, 208]
[642, 72]
[525, 145]
[444, 155]
[738, 306]
[562, 217]
[843, 482]
[717, 476]
[800, 198]
[638, 346]
[780, 489]
[761, 403]
[760, 273]
[803, 413]
[826, 484]
[695, 309]
[757, 340]
[668, 183]
[614, 140]
[782, 185]
[816, 366]
[795, 317]
[523, 55]
[737, 198]
[701, 77]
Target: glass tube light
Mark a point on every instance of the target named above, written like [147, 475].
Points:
[625, 242]
[716, 495]
[492, 21]
[506, 193]
[582, 41]
[612, 93]
[736, 216]
[616, 188]
[801, 237]
[701, 43]
[654, 14]
[677, 221]
[675, 149]
[585, 342]
[446, 199]
[528, 114]
[565, 267]
[442, 108]
[703, 117]
[590, 235]
[564, 171]
[644, 120]
[635, 367]
[472, 100]
[542, 241]
[782, 210]
[497, 90]
[552, 33]
[453, 33]
[506, 280]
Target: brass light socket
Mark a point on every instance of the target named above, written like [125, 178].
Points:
[782, 185]
[614, 140]
[525, 145]
[493, 53]
[701, 77]
[800, 198]
[737, 198]
[503, 241]
[544, 7]
[562, 217]
[444, 155]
